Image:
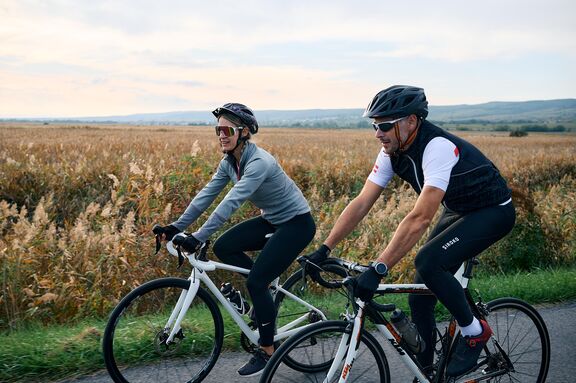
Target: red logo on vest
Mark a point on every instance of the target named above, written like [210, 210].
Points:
[456, 152]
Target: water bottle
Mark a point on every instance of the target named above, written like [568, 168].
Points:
[408, 331]
[235, 298]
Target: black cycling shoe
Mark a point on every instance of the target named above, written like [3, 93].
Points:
[467, 351]
[255, 365]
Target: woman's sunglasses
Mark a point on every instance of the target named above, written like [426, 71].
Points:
[228, 131]
[386, 126]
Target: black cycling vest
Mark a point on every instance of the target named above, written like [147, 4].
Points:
[475, 182]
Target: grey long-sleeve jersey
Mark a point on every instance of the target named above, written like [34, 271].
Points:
[258, 179]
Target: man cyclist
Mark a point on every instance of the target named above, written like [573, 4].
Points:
[257, 177]
[444, 170]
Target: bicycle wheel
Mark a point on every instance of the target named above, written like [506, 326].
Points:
[521, 333]
[317, 345]
[312, 292]
[134, 339]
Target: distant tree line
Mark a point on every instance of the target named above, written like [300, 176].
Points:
[359, 123]
[468, 125]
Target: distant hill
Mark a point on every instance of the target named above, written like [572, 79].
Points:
[551, 111]
[535, 111]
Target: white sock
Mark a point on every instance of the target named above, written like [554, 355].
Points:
[473, 329]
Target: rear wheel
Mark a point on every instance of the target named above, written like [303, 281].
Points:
[315, 293]
[519, 350]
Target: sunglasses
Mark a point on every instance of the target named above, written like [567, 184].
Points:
[386, 126]
[228, 131]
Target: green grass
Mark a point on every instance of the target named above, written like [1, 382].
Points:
[37, 353]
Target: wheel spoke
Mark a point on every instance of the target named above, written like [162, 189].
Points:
[522, 336]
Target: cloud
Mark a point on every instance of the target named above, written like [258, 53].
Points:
[110, 57]
[191, 84]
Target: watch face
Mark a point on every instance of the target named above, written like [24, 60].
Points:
[380, 268]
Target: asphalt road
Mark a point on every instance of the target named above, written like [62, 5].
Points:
[560, 319]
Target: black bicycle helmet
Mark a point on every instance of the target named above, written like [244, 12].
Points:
[239, 114]
[398, 101]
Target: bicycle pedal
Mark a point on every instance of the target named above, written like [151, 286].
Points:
[253, 325]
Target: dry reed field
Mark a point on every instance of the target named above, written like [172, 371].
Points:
[77, 204]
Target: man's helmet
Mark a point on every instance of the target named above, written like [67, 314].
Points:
[398, 101]
[239, 114]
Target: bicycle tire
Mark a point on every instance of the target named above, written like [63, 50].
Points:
[521, 332]
[309, 291]
[132, 342]
[316, 345]
[305, 288]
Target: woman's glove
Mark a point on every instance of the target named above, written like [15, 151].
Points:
[167, 232]
[189, 243]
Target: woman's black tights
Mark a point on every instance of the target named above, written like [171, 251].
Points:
[276, 255]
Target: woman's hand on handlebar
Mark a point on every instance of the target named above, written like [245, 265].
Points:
[188, 243]
[166, 232]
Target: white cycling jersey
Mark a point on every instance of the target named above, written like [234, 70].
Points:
[440, 156]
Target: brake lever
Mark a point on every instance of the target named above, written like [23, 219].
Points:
[180, 258]
[303, 260]
[304, 279]
[158, 244]
[203, 250]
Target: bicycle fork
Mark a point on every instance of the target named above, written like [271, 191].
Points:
[179, 311]
[348, 348]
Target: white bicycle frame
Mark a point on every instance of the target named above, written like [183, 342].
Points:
[349, 350]
[199, 274]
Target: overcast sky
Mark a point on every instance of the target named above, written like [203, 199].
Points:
[68, 58]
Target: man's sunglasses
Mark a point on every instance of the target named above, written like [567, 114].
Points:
[386, 126]
[228, 131]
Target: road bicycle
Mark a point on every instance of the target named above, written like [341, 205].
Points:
[172, 330]
[519, 350]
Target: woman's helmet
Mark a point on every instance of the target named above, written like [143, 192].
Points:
[239, 114]
[398, 101]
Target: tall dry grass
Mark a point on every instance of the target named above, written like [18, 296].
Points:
[77, 205]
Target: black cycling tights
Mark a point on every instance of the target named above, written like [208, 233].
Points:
[278, 252]
[454, 239]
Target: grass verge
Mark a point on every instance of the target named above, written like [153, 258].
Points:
[37, 353]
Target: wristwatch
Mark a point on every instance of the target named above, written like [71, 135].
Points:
[380, 268]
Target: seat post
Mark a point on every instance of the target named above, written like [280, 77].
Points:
[468, 266]
[464, 273]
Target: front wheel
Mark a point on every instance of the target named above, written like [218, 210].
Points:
[519, 350]
[317, 345]
[134, 341]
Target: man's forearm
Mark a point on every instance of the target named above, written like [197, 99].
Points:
[348, 220]
[406, 236]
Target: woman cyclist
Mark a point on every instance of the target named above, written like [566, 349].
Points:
[258, 178]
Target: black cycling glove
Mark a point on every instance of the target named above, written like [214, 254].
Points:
[189, 243]
[367, 284]
[169, 231]
[316, 258]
